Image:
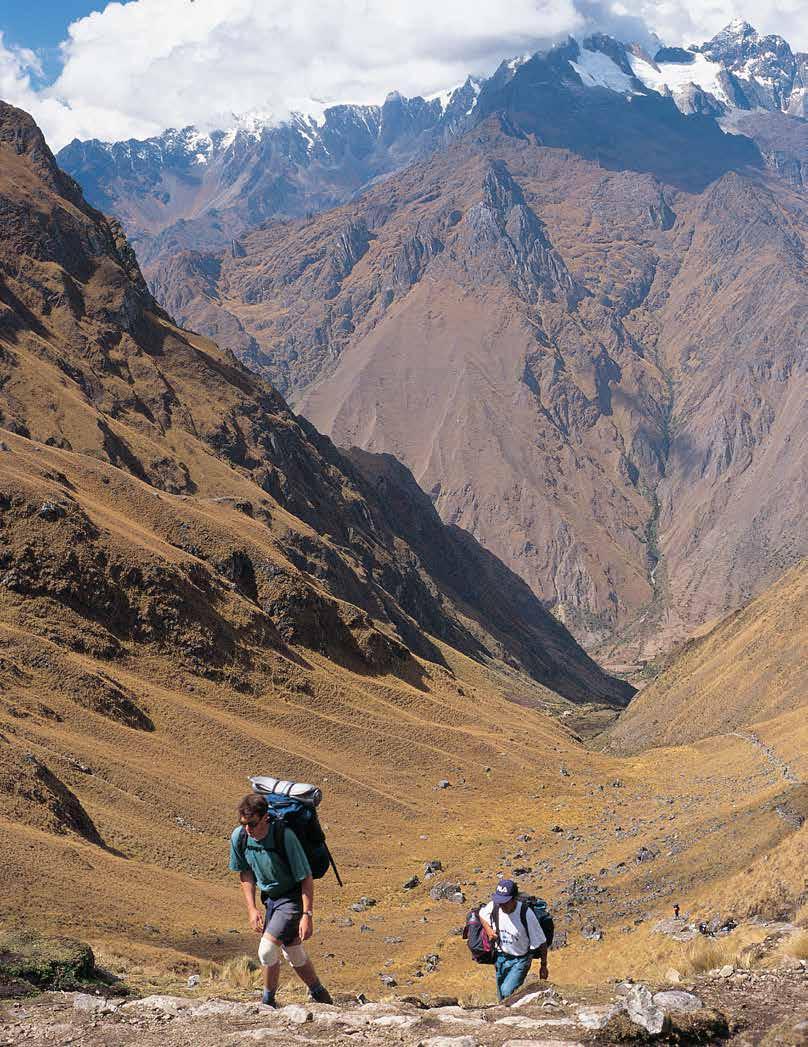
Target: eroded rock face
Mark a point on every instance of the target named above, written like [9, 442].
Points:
[600, 341]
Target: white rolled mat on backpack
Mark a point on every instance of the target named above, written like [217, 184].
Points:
[302, 791]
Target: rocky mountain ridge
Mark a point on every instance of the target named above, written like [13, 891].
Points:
[195, 585]
[191, 189]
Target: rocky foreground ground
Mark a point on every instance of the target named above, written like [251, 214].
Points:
[728, 1006]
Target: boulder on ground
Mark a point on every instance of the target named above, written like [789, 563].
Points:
[642, 1010]
[676, 1001]
[46, 963]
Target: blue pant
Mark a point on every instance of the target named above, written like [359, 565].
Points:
[511, 971]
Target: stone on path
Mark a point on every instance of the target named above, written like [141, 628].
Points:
[159, 1004]
[400, 1021]
[678, 1001]
[296, 1013]
[457, 1019]
[223, 1008]
[531, 997]
[519, 1021]
[542, 1043]
[643, 1011]
[597, 1016]
[448, 1041]
[83, 1001]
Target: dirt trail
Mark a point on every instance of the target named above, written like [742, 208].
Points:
[776, 762]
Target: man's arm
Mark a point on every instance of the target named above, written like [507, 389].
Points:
[307, 919]
[538, 941]
[542, 953]
[255, 915]
[490, 932]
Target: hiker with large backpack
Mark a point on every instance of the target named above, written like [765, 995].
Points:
[512, 925]
[266, 853]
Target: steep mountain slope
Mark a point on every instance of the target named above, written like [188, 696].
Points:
[90, 365]
[610, 381]
[749, 668]
[596, 371]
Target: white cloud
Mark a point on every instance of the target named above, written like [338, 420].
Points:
[138, 67]
[694, 21]
[160, 63]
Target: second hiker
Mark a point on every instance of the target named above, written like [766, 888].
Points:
[268, 855]
[514, 927]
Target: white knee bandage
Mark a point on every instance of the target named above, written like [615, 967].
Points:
[296, 955]
[269, 952]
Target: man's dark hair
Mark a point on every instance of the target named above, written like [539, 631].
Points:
[253, 805]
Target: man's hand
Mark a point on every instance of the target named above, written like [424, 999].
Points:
[257, 921]
[544, 974]
[306, 927]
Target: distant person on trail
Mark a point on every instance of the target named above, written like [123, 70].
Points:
[282, 874]
[515, 928]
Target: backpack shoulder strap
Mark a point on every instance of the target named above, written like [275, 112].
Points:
[278, 842]
[495, 919]
[523, 916]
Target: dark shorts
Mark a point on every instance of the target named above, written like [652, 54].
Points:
[283, 917]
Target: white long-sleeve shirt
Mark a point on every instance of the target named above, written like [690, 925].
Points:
[512, 938]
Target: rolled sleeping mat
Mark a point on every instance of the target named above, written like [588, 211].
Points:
[302, 791]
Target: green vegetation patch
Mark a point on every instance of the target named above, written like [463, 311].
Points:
[44, 963]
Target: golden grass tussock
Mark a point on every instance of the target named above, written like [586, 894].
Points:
[709, 954]
[239, 972]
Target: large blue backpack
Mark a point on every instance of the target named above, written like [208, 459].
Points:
[288, 812]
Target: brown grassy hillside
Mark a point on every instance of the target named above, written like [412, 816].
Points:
[749, 668]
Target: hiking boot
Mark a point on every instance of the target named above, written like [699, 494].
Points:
[319, 994]
[268, 1000]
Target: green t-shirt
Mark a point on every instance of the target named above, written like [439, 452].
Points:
[274, 875]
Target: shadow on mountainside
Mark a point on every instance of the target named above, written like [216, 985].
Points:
[643, 133]
[490, 593]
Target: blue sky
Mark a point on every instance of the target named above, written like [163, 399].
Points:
[41, 25]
